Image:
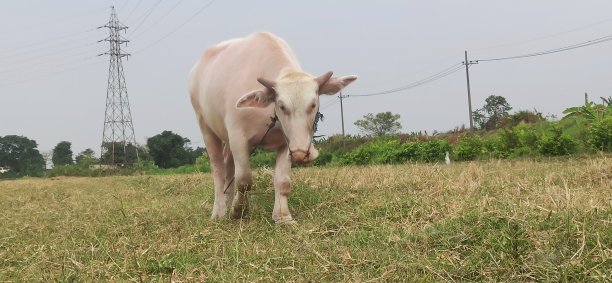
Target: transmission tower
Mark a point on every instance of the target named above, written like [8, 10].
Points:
[118, 134]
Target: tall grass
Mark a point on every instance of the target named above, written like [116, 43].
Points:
[501, 220]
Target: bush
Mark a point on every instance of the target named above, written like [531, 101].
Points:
[522, 151]
[600, 134]
[9, 175]
[554, 143]
[388, 152]
[263, 158]
[324, 158]
[433, 151]
[203, 163]
[392, 152]
[360, 156]
[378, 152]
[469, 148]
[527, 137]
[508, 141]
[68, 170]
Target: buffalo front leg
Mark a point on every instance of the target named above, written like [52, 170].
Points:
[214, 147]
[282, 187]
[243, 178]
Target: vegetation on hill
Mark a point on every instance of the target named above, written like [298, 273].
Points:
[585, 129]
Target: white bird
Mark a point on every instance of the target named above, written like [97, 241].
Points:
[447, 159]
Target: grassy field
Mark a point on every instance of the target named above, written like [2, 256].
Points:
[544, 220]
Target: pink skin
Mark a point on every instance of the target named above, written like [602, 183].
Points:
[234, 101]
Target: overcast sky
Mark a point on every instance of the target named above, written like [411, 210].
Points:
[53, 84]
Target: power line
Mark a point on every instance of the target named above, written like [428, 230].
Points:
[556, 50]
[446, 72]
[40, 44]
[132, 12]
[38, 60]
[546, 36]
[61, 18]
[330, 104]
[54, 71]
[146, 16]
[123, 6]
[159, 20]
[177, 28]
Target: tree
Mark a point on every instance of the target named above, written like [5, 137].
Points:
[383, 123]
[62, 154]
[169, 150]
[195, 153]
[590, 111]
[490, 116]
[20, 154]
[86, 157]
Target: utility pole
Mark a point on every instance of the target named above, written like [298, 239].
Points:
[467, 76]
[342, 115]
[118, 130]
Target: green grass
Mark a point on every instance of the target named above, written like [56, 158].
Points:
[514, 220]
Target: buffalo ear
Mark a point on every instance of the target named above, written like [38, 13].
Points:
[257, 98]
[336, 84]
[324, 78]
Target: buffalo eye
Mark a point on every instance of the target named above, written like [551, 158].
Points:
[313, 105]
[282, 107]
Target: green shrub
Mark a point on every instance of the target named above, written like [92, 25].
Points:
[527, 137]
[555, 143]
[410, 151]
[433, 151]
[203, 163]
[508, 140]
[360, 156]
[600, 134]
[68, 170]
[388, 152]
[324, 158]
[522, 151]
[263, 158]
[495, 148]
[469, 148]
[9, 175]
[381, 151]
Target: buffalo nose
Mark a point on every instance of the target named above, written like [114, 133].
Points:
[299, 156]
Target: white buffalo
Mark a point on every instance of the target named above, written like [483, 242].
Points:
[235, 88]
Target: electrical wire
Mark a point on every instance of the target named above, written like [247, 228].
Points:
[546, 36]
[53, 71]
[551, 51]
[158, 20]
[446, 72]
[146, 16]
[119, 10]
[41, 45]
[61, 18]
[177, 28]
[132, 12]
[329, 104]
[35, 60]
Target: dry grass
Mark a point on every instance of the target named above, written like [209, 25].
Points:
[548, 220]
